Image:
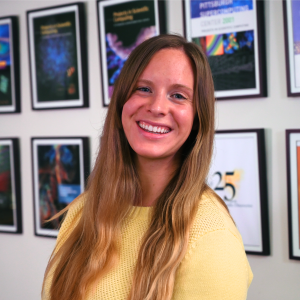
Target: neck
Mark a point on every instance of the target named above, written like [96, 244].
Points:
[155, 175]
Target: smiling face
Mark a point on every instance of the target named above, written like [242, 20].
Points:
[158, 117]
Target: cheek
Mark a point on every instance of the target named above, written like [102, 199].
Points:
[126, 112]
[186, 118]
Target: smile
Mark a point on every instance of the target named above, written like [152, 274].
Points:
[154, 129]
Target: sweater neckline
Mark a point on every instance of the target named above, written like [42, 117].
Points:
[141, 212]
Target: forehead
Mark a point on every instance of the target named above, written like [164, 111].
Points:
[171, 63]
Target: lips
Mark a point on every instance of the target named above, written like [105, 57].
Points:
[158, 129]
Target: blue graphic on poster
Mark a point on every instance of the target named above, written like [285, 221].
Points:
[6, 202]
[55, 45]
[5, 66]
[208, 8]
[58, 169]
[68, 192]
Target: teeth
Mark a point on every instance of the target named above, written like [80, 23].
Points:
[155, 129]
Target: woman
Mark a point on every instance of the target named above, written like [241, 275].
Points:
[148, 226]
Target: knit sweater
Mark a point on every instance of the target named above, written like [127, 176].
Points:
[215, 266]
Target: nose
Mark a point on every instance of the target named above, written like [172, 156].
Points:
[158, 104]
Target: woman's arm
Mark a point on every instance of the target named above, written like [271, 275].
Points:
[215, 267]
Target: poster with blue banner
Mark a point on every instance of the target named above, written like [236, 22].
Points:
[227, 31]
[292, 45]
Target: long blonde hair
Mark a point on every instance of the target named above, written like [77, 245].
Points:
[91, 249]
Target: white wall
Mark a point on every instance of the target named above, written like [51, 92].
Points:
[23, 258]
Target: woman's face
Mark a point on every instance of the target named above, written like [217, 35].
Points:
[158, 117]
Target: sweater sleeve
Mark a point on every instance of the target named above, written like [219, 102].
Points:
[215, 267]
[68, 225]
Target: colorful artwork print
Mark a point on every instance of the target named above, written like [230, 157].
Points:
[126, 26]
[214, 45]
[208, 8]
[5, 66]
[296, 39]
[55, 48]
[231, 58]
[58, 180]
[7, 205]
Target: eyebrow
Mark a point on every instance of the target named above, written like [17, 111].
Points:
[177, 85]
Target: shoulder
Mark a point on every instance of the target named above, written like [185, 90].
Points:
[211, 216]
[215, 265]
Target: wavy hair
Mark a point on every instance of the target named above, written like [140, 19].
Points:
[91, 249]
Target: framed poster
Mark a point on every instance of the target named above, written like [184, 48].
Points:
[58, 57]
[10, 186]
[9, 66]
[238, 176]
[232, 35]
[291, 17]
[293, 182]
[123, 25]
[60, 168]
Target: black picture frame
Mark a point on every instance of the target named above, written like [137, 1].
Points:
[233, 38]
[58, 57]
[291, 8]
[152, 14]
[9, 66]
[10, 186]
[293, 190]
[238, 175]
[61, 166]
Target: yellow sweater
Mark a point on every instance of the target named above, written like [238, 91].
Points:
[215, 266]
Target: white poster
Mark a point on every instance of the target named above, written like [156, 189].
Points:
[293, 164]
[234, 175]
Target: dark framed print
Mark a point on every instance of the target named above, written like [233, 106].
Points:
[293, 182]
[123, 25]
[9, 65]
[291, 17]
[232, 35]
[58, 57]
[10, 186]
[238, 176]
[60, 168]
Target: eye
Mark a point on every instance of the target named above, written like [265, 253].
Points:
[178, 96]
[143, 89]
